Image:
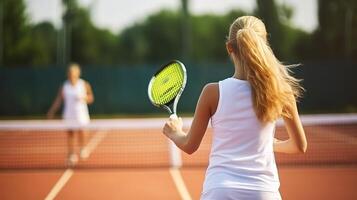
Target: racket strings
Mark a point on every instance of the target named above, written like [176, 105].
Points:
[167, 84]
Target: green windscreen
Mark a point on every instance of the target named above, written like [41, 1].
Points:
[167, 84]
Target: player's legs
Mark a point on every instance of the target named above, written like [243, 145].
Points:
[82, 140]
[72, 157]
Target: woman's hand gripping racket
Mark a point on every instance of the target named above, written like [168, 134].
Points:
[166, 86]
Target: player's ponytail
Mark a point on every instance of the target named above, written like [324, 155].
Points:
[274, 90]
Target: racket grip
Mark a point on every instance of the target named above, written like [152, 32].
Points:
[173, 116]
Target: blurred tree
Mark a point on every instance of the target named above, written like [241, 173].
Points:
[185, 31]
[171, 34]
[24, 44]
[284, 38]
[42, 44]
[68, 18]
[163, 36]
[106, 43]
[1, 32]
[286, 12]
[85, 43]
[268, 11]
[14, 29]
[209, 36]
[155, 40]
[336, 36]
[159, 38]
[292, 36]
[132, 45]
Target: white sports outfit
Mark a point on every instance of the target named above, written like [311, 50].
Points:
[75, 107]
[241, 163]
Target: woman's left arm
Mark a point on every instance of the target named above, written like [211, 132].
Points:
[90, 96]
[206, 107]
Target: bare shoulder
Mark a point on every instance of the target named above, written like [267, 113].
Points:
[211, 87]
[210, 95]
[211, 90]
[86, 83]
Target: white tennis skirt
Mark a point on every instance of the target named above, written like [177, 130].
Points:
[239, 194]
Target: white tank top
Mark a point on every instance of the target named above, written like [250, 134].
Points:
[75, 107]
[242, 154]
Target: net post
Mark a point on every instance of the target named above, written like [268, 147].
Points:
[175, 155]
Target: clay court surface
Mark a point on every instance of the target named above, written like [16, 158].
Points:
[132, 160]
[296, 183]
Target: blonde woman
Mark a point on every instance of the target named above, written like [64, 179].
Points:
[76, 93]
[243, 110]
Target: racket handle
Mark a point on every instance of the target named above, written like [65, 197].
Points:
[173, 116]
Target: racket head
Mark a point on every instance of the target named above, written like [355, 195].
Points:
[167, 85]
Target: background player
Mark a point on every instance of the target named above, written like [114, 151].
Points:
[76, 93]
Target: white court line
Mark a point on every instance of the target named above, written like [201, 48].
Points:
[60, 184]
[92, 144]
[180, 184]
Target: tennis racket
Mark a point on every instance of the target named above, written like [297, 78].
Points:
[166, 86]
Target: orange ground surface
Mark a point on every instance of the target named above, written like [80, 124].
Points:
[316, 183]
[111, 174]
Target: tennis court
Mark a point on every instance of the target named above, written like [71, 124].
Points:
[131, 159]
[86, 87]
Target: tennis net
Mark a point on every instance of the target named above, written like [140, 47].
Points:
[130, 143]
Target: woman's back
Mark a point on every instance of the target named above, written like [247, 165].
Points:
[242, 150]
[243, 115]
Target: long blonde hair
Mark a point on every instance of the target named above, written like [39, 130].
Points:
[274, 90]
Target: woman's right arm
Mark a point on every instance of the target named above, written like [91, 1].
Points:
[297, 140]
[55, 105]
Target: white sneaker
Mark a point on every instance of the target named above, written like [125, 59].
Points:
[84, 153]
[72, 159]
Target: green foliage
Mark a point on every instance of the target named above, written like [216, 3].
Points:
[25, 44]
[87, 44]
[337, 32]
[267, 10]
[161, 36]
[162, 33]
[209, 36]
[336, 36]
[14, 34]
[156, 39]
[42, 44]
[83, 41]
